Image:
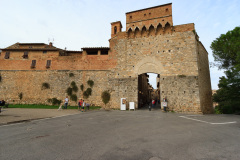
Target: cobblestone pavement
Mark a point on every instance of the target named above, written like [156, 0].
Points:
[14, 115]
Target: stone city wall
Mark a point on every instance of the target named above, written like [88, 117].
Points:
[29, 83]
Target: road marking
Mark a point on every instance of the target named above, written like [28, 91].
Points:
[206, 121]
[32, 120]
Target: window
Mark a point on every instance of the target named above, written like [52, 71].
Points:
[44, 51]
[48, 64]
[33, 65]
[130, 17]
[95, 52]
[115, 29]
[104, 52]
[25, 55]
[7, 55]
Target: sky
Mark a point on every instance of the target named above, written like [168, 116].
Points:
[75, 24]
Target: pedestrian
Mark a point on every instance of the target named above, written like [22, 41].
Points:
[149, 106]
[87, 106]
[66, 102]
[83, 105]
[165, 106]
[79, 104]
[153, 103]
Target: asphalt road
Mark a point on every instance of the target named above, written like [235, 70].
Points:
[124, 135]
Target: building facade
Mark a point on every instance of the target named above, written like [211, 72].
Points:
[150, 44]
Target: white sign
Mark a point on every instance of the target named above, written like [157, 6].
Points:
[123, 104]
[131, 105]
[164, 104]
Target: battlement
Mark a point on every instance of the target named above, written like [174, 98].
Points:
[158, 15]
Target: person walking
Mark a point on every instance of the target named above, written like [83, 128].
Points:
[79, 104]
[153, 103]
[66, 102]
[83, 105]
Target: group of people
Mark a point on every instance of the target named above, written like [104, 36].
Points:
[81, 104]
[154, 102]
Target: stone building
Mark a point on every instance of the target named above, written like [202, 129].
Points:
[150, 44]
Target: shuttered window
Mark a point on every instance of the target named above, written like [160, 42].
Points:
[7, 55]
[33, 65]
[25, 55]
[48, 64]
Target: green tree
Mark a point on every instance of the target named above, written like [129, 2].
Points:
[226, 53]
[106, 97]
[226, 50]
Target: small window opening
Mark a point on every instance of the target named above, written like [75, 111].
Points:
[92, 52]
[166, 9]
[33, 65]
[130, 17]
[104, 52]
[44, 52]
[25, 55]
[149, 13]
[48, 64]
[7, 55]
[144, 15]
[115, 30]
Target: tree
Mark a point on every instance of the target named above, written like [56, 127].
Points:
[226, 53]
[226, 49]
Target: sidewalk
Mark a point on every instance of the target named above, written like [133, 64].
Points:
[14, 115]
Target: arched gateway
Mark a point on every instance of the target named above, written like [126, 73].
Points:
[150, 44]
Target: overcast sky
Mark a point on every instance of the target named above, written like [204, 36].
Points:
[86, 23]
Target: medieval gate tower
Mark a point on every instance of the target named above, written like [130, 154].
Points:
[150, 44]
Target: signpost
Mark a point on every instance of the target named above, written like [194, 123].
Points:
[123, 104]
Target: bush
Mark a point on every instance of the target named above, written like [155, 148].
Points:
[49, 100]
[69, 91]
[85, 94]
[73, 84]
[82, 87]
[20, 95]
[89, 91]
[75, 88]
[55, 101]
[90, 83]
[71, 75]
[182, 76]
[45, 85]
[106, 97]
[73, 97]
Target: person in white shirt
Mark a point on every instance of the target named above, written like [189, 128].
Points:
[66, 102]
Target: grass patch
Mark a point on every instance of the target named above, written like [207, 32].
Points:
[41, 106]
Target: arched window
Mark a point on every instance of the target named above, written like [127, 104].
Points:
[115, 29]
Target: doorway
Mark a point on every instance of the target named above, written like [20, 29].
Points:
[148, 90]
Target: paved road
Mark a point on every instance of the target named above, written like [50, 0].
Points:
[124, 135]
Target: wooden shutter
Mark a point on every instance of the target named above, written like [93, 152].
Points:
[25, 54]
[33, 65]
[48, 63]
[7, 55]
